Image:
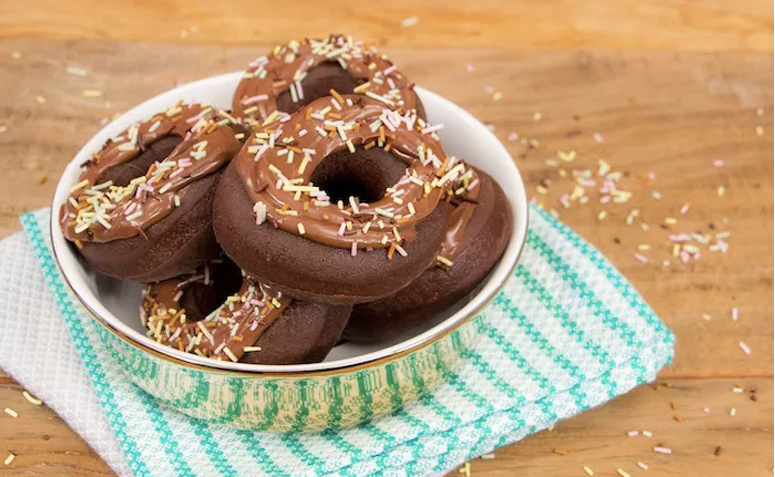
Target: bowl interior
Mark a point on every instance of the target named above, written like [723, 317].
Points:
[116, 302]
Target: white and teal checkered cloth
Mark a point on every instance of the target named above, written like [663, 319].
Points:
[567, 333]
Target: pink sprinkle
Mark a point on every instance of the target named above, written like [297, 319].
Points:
[685, 256]
[207, 274]
[255, 302]
[586, 182]
[680, 237]
[718, 163]
[641, 258]
[354, 249]
[565, 201]
[142, 310]
[389, 70]
[685, 208]
[598, 137]
[261, 152]
[489, 89]
[746, 349]
[652, 176]
[605, 199]
[735, 314]
[663, 450]
[341, 229]
[220, 348]
[706, 410]
[177, 296]
[469, 68]
[255, 99]
[430, 129]
[513, 136]
[254, 325]
[176, 334]
[473, 184]
[632, 433]
[722, 245]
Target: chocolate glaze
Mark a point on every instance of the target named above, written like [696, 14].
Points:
[278, 162]
[277, 83]
[218, 312]
[484, 239]
[101, 211]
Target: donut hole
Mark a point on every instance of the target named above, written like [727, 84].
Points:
[158, 150]
[199, 300]
[363, 174]
[318, 83]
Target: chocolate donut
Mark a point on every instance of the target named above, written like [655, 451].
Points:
[219, 312]
[294, 75]
[478, 231]
[337, 203]
[142, 207]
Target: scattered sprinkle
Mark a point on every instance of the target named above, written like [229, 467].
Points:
[40, 99]
[735, 314]
[718, 163]
[641, 258]
[643, 465]
[9, 459]
[469, 68]
[633, 433]
[622, 473]
[3, 128]
[411, 21]
[647, 433]
[11, 412]
[737, 390]
[733, 412]
[588, 471]
[487, 456]
[513, 136]
[598, 137]
[536, 116]
[706, 317]
[32, 399]
[759, 131]
[746, 349]
[75, 71]
[92, 93]
[497, 96]
[685, 209]
[466, 469]
[721, 190]
[663, 450]
[16, 55]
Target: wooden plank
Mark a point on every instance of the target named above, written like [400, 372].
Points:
[619, 24]
[45, 446]
[667, 113]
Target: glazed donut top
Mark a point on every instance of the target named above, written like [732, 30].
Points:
[227, 333]
[101, 211]
[277, 162]
[283, 70]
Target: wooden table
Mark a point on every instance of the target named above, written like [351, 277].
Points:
[661, 90]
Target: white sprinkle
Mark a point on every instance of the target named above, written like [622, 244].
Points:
[647, 433]
[633, 433]
[354, 249]
[706, 410]
[300, 226]
[663, 450]
[643, 465]
[410, 21]
[588, 471]
[733, 412]
[735, 314]
[231, 356]
[622, 473]
[11, 412]
[487, 456]
[72, 70]
[401, 250]
[746, 349]
[9, 459]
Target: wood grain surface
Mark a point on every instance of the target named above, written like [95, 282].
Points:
[660, 91]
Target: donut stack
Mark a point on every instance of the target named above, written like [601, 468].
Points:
[321, 207]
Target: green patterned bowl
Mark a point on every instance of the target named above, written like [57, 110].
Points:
[355, 382]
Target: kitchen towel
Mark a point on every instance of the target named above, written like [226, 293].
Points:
[566, 333]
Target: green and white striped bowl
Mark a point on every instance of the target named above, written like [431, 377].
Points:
[355, 382]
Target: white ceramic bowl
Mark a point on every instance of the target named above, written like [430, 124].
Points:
[115, 303]
[355, 382]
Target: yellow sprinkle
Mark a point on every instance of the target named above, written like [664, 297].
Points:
[228, 353]
[466, 469]
[541, 190]
[32, 399]
[9, 459]
[732, 412]
[643, 247]
[622, 473]
[588, 471]
[706, 317]
[79, 185]
[11, 412]
[16, 55]
[396, 234]
[300, 226]
[671, 220]
[92, 93]
[40, 99]
[497, 96]
[444, 260]
[487, 456]
[602, 215]
[566, 156]
[350, 146]
[720, 191]
[536, 116]
[643, 465]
